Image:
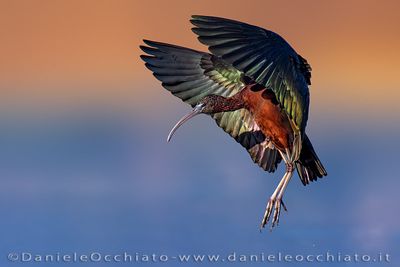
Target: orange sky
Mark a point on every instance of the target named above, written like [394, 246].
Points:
[88, 50]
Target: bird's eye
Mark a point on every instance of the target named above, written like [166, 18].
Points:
[199, 106]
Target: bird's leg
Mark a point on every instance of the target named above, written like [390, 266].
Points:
[275, 200]
[277, 210]
[271, 203]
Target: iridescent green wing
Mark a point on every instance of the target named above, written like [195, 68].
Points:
[191, 75]
[263, 56]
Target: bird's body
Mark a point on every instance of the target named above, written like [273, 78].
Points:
[254, 85]
[268, 115]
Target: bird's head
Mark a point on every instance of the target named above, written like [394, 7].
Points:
[207, 105]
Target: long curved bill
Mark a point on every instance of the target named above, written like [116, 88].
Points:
[196, 111]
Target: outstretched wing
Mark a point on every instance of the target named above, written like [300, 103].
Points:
[263, 56]
[191, 75]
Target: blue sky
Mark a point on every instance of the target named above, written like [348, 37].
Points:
[97, 180]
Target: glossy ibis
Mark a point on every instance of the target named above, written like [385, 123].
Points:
[255, 85]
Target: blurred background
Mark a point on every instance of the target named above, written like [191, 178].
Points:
[84, 163]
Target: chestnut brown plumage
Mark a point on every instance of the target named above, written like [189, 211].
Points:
[256, 88]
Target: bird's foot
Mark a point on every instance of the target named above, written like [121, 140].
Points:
[274, 204]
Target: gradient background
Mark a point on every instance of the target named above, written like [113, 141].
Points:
[84, 165]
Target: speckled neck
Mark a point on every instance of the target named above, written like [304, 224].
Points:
[225, 104]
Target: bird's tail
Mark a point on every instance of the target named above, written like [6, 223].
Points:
[309, 167]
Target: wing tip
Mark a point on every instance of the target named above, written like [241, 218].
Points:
[146, 58]
[143, 48]
[149, 50]
[199, 17]
[154, 44]
[148, 42]
[210, 18]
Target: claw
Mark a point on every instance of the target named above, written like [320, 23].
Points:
[268, 212]
[277, 212]
[274, 205]
[283, 205]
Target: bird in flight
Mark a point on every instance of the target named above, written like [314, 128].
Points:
[255, 86]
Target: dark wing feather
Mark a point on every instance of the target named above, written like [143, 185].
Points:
[309, 167]
[263, 56]
[191, 75]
